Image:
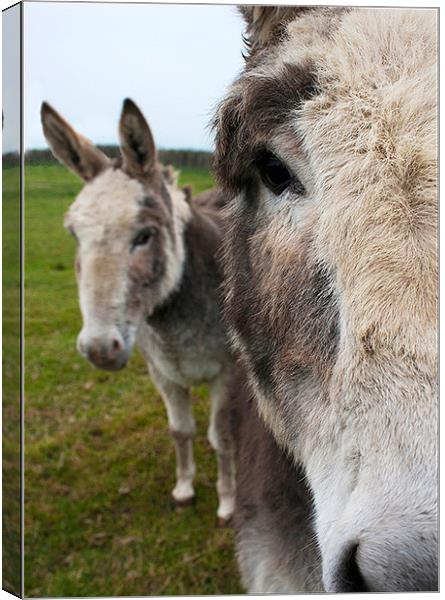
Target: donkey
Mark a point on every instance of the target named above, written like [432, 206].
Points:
[147, 272]
[326, 146]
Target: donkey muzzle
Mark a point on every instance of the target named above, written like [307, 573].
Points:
[108, 353]
[386, 567]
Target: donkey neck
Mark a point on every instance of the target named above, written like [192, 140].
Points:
[195, 296]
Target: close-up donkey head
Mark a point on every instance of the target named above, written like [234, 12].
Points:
[128, 222]
[326, 144]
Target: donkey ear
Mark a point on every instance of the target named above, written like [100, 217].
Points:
[70, 148]
[265, 24]
[137, 145]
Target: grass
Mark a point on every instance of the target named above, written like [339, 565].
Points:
[99, 464]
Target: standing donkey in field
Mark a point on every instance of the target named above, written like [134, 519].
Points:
[326, 145]
[147, 273]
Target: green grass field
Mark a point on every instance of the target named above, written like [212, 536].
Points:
[99, 464]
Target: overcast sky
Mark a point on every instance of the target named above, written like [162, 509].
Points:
[174, 61]
[11, 78]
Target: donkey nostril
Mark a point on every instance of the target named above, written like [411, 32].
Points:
[116, 346]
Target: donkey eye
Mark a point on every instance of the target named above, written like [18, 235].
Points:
[275, 175]
[142, 238]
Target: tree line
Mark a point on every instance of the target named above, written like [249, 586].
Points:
[177, 158]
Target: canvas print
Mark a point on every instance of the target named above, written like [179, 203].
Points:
[220, 334]
[11, 303]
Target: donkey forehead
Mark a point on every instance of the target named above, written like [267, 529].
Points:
[335, 62]
[373, 40]
[111, 199]
[360, 49]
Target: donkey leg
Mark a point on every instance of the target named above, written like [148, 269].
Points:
[220, 438]
[182, 429]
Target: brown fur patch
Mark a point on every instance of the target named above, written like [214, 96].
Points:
[260, 106]
[272, 497]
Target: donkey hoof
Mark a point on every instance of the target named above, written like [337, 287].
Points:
[224, 522]
[183, 502]
[183, 493]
